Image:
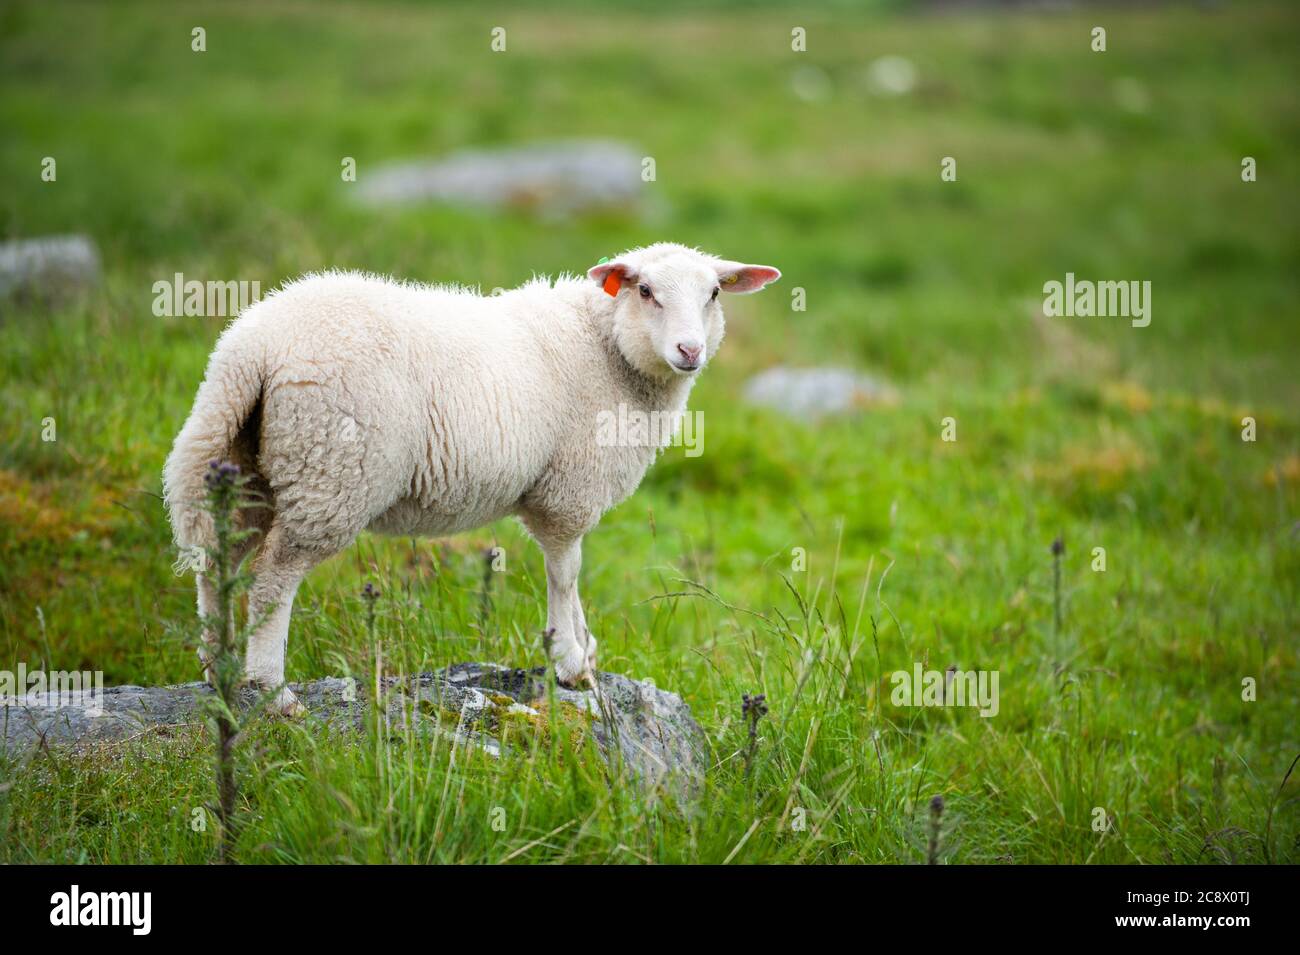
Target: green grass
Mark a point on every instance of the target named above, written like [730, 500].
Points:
[226, 164]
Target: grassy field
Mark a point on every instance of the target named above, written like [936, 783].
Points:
[1117, 165]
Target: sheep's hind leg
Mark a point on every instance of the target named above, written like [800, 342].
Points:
[207, 589]
[280, 568]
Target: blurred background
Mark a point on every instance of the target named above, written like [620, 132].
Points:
[491, 142]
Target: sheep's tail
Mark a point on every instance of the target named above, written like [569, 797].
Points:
[227, 401]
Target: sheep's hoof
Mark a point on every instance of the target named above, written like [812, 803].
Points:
[573, 672]
[286, 704]
[586, 680]
[209, 675]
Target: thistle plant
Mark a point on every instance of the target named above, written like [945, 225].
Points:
[485, 593]
[1058, 549]
[226, 495]
[370, 594]
[936, 824]
[752, 709]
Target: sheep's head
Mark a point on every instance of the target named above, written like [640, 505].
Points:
[667, 313]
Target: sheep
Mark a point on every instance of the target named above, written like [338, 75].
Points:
[356, 402]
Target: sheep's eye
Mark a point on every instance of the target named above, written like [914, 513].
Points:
[714, 296]
[645, 291]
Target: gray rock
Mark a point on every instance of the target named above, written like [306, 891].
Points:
[636, 726]
[48, 269]
[811, 393]
[891, 76]
[554, 178]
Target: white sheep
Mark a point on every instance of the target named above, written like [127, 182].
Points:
[355, 402]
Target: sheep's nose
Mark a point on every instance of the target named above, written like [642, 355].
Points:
[690, 352]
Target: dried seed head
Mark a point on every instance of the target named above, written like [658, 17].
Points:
[1058, 546]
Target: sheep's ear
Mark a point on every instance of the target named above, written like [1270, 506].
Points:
[741, 278]
[612, 276]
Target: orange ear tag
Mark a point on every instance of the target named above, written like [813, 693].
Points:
[613, 282]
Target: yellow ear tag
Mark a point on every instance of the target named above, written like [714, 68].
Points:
[613, 282]
[731, 279]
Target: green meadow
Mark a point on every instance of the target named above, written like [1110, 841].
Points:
[807, 561]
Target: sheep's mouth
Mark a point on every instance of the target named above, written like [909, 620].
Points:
[685, 368]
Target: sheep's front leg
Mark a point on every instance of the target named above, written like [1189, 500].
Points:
[584, 635]
[571, 646]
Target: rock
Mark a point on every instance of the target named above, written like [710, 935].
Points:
[635, 725]
[48, 269]
[891, 76]
[561, 178]
[810, 393]
[812, 84]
